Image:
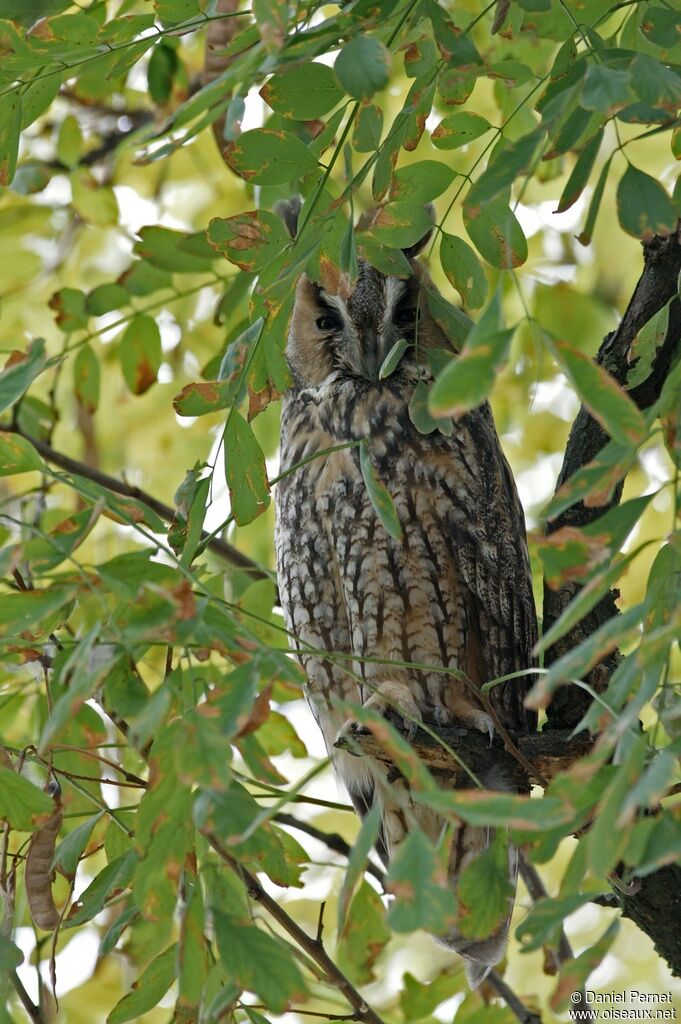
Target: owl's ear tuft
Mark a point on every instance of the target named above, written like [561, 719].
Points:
[289, 211]
[412, 251]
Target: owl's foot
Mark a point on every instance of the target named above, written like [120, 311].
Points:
[388, 697]
[482, 721]
[465, 714]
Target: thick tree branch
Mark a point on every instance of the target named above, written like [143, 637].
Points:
[656, 906]
[65, 462]
[313, 947]
[656, 286]
[547, 753]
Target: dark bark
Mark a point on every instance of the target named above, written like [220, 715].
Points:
[657, 284]
[547, 753]
[655, 906]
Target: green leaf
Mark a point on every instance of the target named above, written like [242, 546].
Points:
[161, 70]
[421, 182]
[363, 66]
[467, 379]
[542, 925]
[38, 96]
[607, 402]
[419, 1000]
[105, 298]
[363, 937]
[11, 956]
[661, 25]
[249, 240]
[645, 346]
[505, 167]
[400, 225]
[585, 236]
[656, 84]
[69, 142]
[70, 850]
[421, 418]
[86, 379]
[249, 489]
[605, 90]
[140, 353]
[495, 232]
[459, 129]
[575, 972]
[173, 11]
[608, 837]
[271, 17]
[258, 963]
[96, 203]
[17, 455]
[485, 892]
[304, 93]
[357, 860]
[23, 369]
[148, 990]
[172, 251]
[112, 879]
[379, 494]
[464, 271]
[644, 207]
[580, 173]
[266, 156]
[392, 359]
[366, 137]
[455, 324]
[423, 895]
[32, 610]
[69, 305]
[21, 803]
[10, 127]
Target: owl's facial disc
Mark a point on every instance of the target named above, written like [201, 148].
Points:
[358, 332]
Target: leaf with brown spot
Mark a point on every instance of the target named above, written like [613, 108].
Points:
[249, 240]
[140, 353]
[203, 397]
[267, 156]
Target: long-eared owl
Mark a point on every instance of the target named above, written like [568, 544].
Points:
[454, 592]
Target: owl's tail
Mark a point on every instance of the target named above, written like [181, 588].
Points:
[480, 954]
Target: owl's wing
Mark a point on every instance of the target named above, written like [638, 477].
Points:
[490, 550]
[315, 613]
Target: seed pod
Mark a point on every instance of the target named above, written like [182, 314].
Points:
[38, 875]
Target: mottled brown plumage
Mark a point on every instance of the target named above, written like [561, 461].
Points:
[455, 591]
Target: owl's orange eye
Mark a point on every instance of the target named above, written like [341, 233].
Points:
[327, 322]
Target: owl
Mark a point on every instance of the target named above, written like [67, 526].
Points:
[453, 592]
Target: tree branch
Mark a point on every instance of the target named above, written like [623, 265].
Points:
[312, 947]
[547, 753]
[219, 547]
[330, 839]
[656, 286]
[656, 906]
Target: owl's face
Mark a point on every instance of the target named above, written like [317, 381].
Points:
[351, 336]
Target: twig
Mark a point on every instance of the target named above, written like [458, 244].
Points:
[31, 1009]
[330, 839]
[220, 547]
[515, 1005]
[580, 1010]
[314, 948]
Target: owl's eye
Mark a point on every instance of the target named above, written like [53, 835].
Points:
[328, 322]
[406, 316]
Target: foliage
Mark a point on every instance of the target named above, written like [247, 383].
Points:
[149, 676]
